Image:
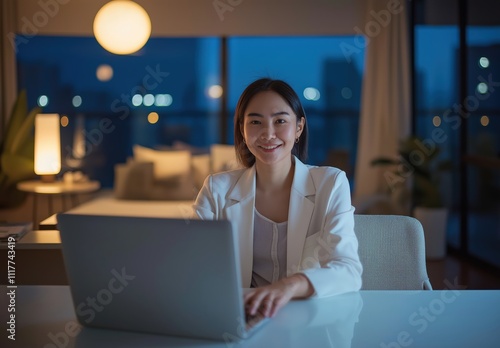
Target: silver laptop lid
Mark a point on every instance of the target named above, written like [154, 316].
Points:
[157, 275]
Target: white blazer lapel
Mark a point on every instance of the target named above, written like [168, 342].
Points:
[299, 215]
[241, 203]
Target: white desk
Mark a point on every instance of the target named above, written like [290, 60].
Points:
[45, 318]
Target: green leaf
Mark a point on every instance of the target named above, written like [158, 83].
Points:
[27, 149]
[17, 168]
[25, 131]
[427, 193]
[3, 181]
[422, 158]
[17, 152]
[16, 120]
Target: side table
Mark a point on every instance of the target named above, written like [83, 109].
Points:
[57, 188]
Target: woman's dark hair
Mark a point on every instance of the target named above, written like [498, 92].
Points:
[243, 154]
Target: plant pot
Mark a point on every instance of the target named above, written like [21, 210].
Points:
[434, 222]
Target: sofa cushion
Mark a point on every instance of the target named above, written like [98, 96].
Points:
[166, 164]
[133, 180]
[136, 180]
[170, 174]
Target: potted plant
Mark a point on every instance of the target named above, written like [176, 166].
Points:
[418, 162]
[17, 152]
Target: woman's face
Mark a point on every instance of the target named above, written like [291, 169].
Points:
[270, 128]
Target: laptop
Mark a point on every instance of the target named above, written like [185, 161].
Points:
[156, 275]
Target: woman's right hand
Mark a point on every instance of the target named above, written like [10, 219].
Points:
[268, 300]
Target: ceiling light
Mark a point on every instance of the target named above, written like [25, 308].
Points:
[122, 27]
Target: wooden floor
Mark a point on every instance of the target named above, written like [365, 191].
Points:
[454, 272]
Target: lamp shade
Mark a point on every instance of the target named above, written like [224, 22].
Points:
[122, 27]
[47, 144]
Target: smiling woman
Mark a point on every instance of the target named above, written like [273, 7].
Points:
[269, 114]
[281, 208]
[271, 134]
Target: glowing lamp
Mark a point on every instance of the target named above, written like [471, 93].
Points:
[47, 146]
[122, 27]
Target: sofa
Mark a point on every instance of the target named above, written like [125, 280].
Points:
[160, 182]
[175, 173]
[165, 182]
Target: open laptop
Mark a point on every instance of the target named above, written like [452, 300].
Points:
[156, 275]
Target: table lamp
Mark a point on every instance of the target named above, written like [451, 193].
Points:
[47, 146]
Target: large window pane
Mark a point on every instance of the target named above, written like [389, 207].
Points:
[439, 107]
[484, 143]
[437, 82]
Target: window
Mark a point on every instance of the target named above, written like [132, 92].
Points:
[170, 91]
[473, 227]
[108, 99]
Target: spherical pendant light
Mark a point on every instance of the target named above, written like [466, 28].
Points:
[122, 27]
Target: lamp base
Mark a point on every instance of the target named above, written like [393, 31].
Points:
[48, 178]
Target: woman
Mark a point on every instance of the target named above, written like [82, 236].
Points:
[295, 222]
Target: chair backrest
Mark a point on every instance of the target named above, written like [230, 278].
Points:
[392, 252]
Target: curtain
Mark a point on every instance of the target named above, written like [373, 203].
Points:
[8, 79]
[386, 93]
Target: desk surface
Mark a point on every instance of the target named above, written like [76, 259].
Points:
[48, 239]
[38, 239]
[449, 318]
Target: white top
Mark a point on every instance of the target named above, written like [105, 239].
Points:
[269, 250]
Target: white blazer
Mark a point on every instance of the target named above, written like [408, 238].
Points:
[321, 242]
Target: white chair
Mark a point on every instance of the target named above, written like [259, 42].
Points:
[392, 252]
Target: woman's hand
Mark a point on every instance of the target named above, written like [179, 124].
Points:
[267, 300]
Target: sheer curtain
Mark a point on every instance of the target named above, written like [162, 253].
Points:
[8, 81]
[385, 101]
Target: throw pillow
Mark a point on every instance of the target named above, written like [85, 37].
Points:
[167, 164]
[133, 180]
